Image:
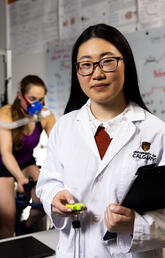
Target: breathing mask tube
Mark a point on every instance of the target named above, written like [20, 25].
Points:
[39, 115]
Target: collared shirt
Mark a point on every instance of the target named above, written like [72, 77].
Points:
[110, 126]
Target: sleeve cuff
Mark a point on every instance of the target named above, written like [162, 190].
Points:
[58, 221]
[124, 242]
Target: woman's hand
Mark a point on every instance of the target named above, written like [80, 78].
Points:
[119, 219]
[20, 182]
[59, 204]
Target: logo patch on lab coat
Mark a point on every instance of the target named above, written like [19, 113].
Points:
[146, 146]
[145, 154]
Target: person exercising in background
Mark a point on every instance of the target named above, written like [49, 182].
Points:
[16, 150]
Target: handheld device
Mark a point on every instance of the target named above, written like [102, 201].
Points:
[76, 206]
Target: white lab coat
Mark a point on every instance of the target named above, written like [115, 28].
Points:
[73, 163]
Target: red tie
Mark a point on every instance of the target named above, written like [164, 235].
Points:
[102, 140]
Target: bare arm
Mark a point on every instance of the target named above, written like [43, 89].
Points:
[48, 123]
[6, 152]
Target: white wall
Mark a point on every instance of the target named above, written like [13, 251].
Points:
[26, 64]
[21, 64]
[2, 25]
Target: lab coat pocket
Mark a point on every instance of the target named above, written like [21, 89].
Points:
[65, 247]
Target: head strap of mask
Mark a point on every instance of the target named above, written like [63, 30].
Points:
[32, 108]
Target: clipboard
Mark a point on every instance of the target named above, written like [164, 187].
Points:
[146, 193]
[26, 247]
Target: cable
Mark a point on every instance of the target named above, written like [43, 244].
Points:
[76, 225]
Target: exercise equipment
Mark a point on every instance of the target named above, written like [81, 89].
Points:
[22, 201]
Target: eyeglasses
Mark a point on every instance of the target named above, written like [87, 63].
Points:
[107, 64]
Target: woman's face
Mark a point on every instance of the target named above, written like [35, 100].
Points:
[101, 87]
[35, 93]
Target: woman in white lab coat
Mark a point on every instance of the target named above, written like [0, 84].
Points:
[104, 92]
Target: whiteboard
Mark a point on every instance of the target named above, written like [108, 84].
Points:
[58, 75]
[149, 52]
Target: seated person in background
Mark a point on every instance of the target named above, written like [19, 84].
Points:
[16, 150]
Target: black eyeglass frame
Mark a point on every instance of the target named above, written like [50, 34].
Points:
[98, 63]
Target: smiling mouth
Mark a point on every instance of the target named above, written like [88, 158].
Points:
[99, 86]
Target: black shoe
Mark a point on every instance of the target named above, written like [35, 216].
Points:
[25, 229]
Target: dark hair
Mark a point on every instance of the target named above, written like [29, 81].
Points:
[31, 79]
[25, 85]
[131, 88]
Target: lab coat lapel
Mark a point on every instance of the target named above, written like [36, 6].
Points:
[121, 138]
[86, 131]
[125, 132]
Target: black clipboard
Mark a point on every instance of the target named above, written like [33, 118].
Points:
[26, 247]
[146, 193]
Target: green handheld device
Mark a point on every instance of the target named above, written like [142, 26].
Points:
[76, 206]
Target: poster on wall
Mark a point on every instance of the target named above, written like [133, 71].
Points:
[123, 14]
[150, 13]
[150, 61]
[75, 16]
[58, 74]
[90, 14]
[69, 18]
[32, 24]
